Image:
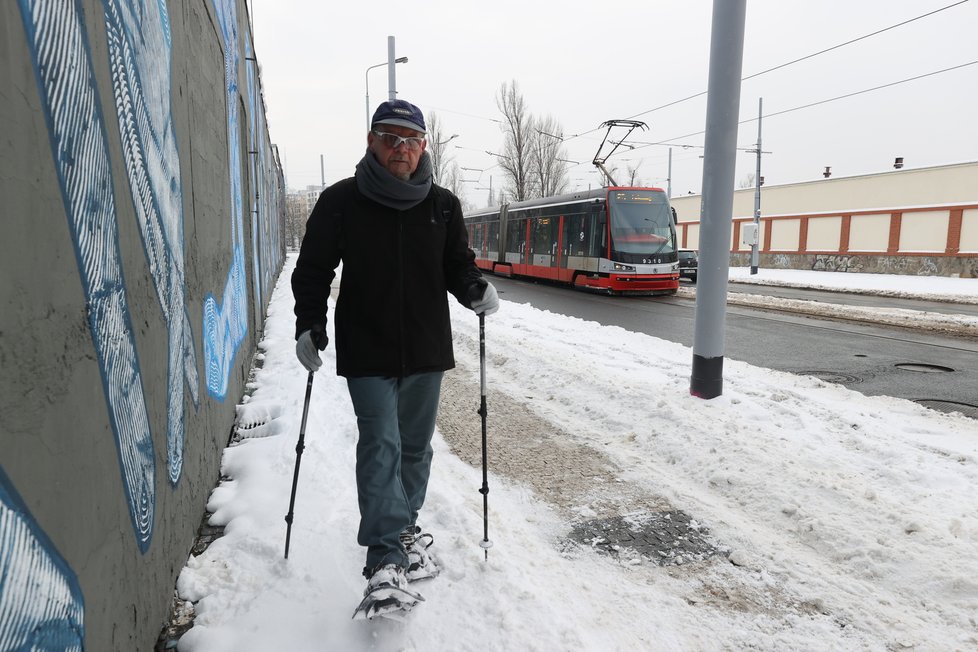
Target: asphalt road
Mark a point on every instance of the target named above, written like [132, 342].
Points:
[938, 371]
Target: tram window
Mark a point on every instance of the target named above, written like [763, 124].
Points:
[515, 235]
[542, 235]
[574, 234]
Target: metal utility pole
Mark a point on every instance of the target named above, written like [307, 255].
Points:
[391, 74]
[669, 179]
[719, 164]
[754, 254]
[366, 79]
[322, 171]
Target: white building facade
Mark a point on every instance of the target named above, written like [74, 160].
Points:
[920, 221]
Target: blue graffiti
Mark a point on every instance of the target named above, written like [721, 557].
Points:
[139, 60]
[62, 60]
[41, 603]
[226, 323]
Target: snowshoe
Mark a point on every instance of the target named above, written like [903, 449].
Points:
[386, 594]
[387, 602]
[416, 543]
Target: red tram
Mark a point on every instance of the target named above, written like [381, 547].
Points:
[614, 240]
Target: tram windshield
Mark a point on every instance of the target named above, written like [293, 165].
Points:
[641, 222]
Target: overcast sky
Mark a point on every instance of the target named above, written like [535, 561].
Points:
[589, 62]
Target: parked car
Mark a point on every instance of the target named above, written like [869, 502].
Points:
[688, 264]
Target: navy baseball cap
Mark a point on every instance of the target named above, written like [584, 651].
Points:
[400, 113]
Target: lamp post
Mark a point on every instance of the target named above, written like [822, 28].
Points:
[366, 82]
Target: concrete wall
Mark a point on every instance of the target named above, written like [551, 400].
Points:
[142, 212]
[910, 221]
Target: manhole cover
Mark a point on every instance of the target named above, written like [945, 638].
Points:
[832, 376]
[923, 367]
[966, 409]
[663, 538]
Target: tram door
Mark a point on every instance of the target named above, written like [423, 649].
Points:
[561, 245]
[516, 242]
[581, 238]
[543, 246]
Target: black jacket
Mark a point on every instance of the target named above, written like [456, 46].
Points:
[392, 314]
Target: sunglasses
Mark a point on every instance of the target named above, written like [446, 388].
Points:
[393, 141]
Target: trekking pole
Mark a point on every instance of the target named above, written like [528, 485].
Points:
[298, 458]
[485, 543]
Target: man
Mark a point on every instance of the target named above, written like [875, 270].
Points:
[403, 246]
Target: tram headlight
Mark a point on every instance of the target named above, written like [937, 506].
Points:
[619, 267]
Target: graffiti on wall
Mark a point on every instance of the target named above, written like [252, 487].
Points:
[41, 603]
[226, 321]
[66, 81]
[139, 59]
[837, 263]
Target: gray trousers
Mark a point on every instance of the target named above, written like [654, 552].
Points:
[396, 419]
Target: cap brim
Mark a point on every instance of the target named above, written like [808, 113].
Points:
[398, 122]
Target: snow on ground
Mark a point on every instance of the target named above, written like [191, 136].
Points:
[935, 288]
[845, 522]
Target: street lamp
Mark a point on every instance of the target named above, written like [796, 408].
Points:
[366, 82]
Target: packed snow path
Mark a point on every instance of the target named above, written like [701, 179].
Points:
[812, 517]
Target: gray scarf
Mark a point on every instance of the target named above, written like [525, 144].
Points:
[377, 183]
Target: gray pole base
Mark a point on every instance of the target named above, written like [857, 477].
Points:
[707, 378]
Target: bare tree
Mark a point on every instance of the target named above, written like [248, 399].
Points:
[437, 149]
[633, 179]
[747, 181]
[518, 136]
[295, 220]
[452, 179]
[548, 170]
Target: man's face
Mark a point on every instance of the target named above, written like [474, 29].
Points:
[401, 161]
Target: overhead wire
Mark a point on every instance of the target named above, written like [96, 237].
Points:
[772, 69]
[792, 62]
[666, 141]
